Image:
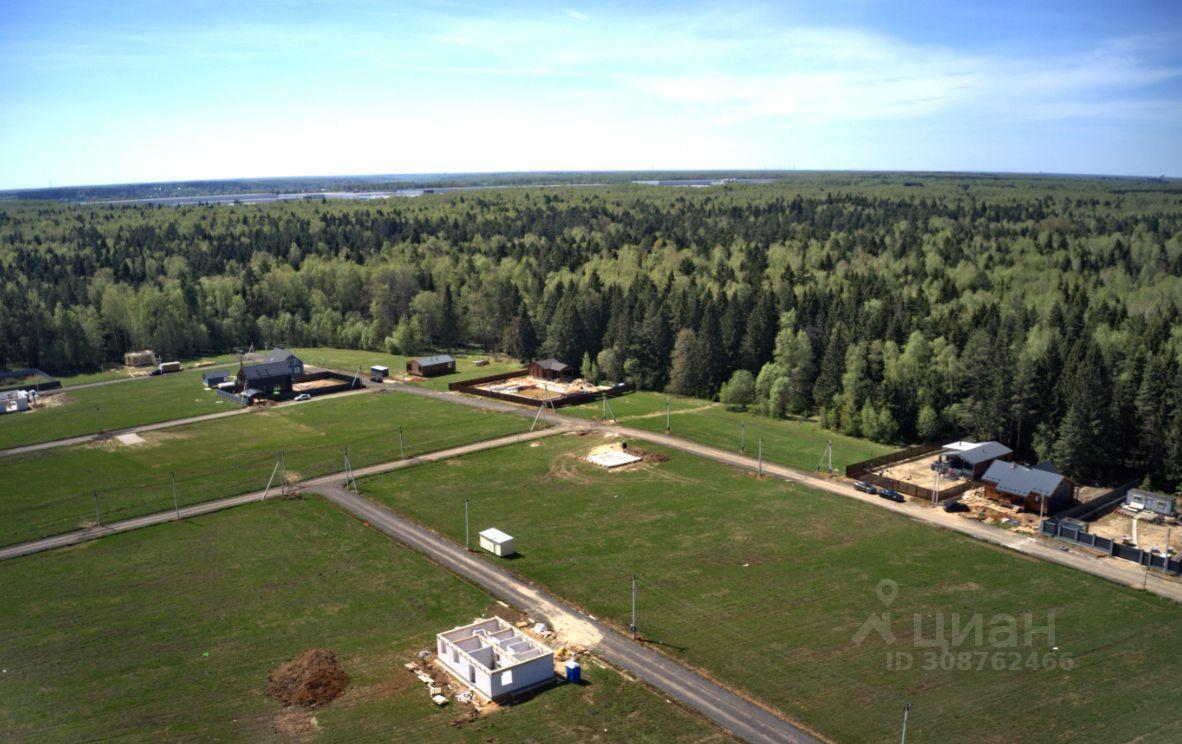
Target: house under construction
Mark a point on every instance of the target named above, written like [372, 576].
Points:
[494, 658]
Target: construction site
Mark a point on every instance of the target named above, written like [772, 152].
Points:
[545, 383]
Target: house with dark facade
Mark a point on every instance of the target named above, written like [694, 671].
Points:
[432, 366]
[553, 369]
[271, 378]
[971, 459]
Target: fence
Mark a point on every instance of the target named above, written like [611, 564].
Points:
[232, 397]
[572, 399]
[1079, 535]
[919, 493]
[1071, 526]
[853, 470]
[27, 379]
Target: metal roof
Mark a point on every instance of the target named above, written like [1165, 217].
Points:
[279, 355]
[496, 536]
[1020, 480]
[267, 370]
[553, 365]
[977, 453]
[433, 360]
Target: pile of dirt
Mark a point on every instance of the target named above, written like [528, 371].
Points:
[647, 456]
[311, 679]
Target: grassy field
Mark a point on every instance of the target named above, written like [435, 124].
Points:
[122, 373]
[765, 585]
[50, 492]
[350, 360]
[168, 634]
[71, 413]
[795, 443]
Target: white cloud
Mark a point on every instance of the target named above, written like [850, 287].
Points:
[571, 12]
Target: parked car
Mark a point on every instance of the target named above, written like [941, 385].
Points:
[891, 494]
[303, 396]
[864, 487]
[156, 372]
[955, 506]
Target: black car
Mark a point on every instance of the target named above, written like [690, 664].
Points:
[891, 494]
[864, 487]
[955, 506]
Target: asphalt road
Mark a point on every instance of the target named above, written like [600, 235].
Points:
[727, 709]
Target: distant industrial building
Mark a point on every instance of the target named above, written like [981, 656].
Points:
[1155, 502]
[971, 459]
[432, 366]
[1031, 488]
[494, 659]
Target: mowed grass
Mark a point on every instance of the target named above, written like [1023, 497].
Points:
[71, 413]
[350, 360]
[169, 633]
[123, 373]
[50, 492]
[765, 585]
[795, 443]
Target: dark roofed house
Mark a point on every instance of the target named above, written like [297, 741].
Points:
[272, 377]
[552, 369]
[432, 366]
[972, 459]
[1028, 487]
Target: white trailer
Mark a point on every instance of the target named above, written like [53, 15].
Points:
[497, 542]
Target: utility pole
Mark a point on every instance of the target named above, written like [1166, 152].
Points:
[467, 540]
[760, 457]
[936, 493]
[1042, 507]
[97, 517]
[906, 710]
[401, 450]
[666, 415]
[742, 439]
[283, 473]
[1166, 551]
[99, 411]
[350, 481]
[632, 627]
[175, 503]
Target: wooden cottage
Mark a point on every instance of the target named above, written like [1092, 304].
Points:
[432, 366]
[552, 369]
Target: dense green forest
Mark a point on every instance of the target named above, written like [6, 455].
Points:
[1045, 313]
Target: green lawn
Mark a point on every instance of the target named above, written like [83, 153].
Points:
[765, 584]
[121, 373]
[49, 492]
[71, 413]
[795, 443]
[168, 634]
[350, 360]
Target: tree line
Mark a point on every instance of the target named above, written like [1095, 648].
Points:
[1042, 313]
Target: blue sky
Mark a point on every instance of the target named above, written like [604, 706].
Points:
[140, 91]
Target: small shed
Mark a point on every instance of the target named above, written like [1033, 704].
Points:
[497, 542]
[1155, 502]
[552, 369]
[377, 373]
[213, 379]
[432, 366]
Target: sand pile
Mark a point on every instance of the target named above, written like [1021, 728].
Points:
[313, 678]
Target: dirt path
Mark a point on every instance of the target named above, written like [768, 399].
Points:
[658, 414]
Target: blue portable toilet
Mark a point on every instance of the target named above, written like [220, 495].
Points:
[573, 671]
